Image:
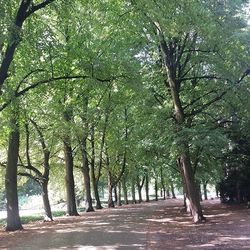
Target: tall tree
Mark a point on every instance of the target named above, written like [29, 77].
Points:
[13, 218]
[185, 48]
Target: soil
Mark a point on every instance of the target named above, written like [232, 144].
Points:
[154, 225]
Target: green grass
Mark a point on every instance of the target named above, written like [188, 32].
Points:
[32, 218]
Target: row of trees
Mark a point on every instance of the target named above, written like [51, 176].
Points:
[124, 91]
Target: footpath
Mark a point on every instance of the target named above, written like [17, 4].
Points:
[155, 225]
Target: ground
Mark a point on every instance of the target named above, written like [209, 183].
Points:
[154, 225]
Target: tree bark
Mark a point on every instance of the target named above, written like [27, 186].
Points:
[163, 186]
[69, 178]
[46, 172]
[156, 189]
[139, 194]
[69, 164]
[147, 187]
[110, 191]
[125, 191]
[85, 171]
[139, 188]
[199, 190]
[172, 190]
[133, 191]
[119, 194]
[168, 193]
[192, 194]
[115, 194]
[13, 218]
[46, 203]
[85, 161]
[94, 180]
[205, 189]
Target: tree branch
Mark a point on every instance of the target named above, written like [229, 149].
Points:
[30, 176]
[41, 82]
[197, 99]
[209, 77]
[206, 105]
[37, 7]
[30, 167]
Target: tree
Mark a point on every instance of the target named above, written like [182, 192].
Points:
[182, 48]
[13, 219]
[25, 10]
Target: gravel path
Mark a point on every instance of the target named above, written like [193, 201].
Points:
[154, 225]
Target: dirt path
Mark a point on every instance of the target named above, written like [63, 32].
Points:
[154, 225]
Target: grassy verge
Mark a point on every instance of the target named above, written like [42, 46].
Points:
[32, 218]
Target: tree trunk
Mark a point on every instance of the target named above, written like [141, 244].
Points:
[168, 193]
[172, 190]
[125, 191]
[46, 203]
[156, 189]
[199, 190]
[119, 194]
[46, 172]
[163, 186]
[94, 180]
[164, 194]
[88, 198]
[147, 187]
[115, 194]
[97, 196]
[139, 194]
[69, 179]
[110, 191]
[69, 165]
[217, 191]
[85, 171]
[192, 195]
[205, 189]
[139, 188]
[133, 192]
[13, 218]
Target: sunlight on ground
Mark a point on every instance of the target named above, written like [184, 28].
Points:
[109, 247]
[223, 240]
[95, 223]
[70, 230]
[161, 220]
[165, 220]
[218, 215]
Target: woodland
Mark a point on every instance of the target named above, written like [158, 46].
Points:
[121, 96]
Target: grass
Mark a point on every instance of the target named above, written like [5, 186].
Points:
[32, 218]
